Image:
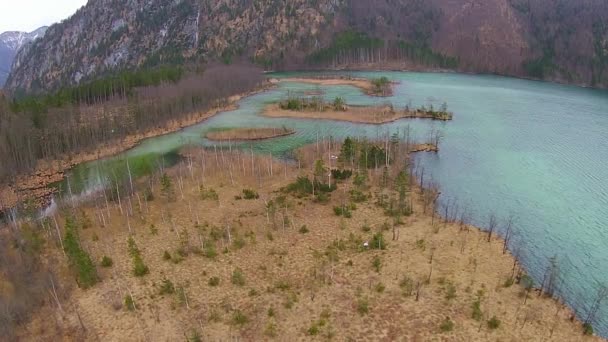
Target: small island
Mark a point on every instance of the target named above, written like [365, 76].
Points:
[380, 86]
[317, 108]
[249, 133]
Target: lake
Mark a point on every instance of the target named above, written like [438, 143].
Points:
[532, 150]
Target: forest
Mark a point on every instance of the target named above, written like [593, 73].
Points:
[79, 119]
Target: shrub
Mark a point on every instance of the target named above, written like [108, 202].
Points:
[377, 241]
[271, 312]
[249, 194]
[167, 287]
[450, 291]
[209, 251]
[358, 196]
[239, 318]
[303, 229]
[509, 282]
[313, 330]
[341, 174]
[493, 323]
[587, 329]
[166, 255]
[79, 260]
[343, 211]
[282, 285]
[271, 329]
[238, 278]
[407, 286]
[363, 306]
[129, 303]
[139, 268]
[447, 325]
[106, 261]
[380, 287]
[214, 281]
[239, 242]
[377, 263]
[209, 194]
[477, 313]
[195, 336]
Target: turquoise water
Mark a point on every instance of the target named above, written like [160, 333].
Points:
[535, 150]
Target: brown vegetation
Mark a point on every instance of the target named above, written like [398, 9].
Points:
[233, 249]
[366, 85]
[249, 133]
[357, 114]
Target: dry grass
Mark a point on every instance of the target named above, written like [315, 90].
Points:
[249, 133]
[322, 283]
[357, 114]
[362, 83]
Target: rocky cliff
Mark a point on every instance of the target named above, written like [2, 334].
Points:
[558, 40]
[10, 43]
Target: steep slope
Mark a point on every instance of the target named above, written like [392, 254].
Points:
[547, 39]
[10, 43]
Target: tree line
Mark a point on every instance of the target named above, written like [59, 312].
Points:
[354, 47]
[79, 119]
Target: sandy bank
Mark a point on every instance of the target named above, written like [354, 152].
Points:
[249, 134]
[364, 84]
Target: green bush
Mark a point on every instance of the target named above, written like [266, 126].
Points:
[450, 291]
[303, 229]
[377, 263]
[129, 303]
[79, 260]
[167, 287]
[447, 325]
[249, 194]
[343, 211]
[587, 329]
[407, 286]
[363, 306]
[239, 318]
[313, 330]
[106, 261]
[166, 255]
[208, 194]
[493, 323]
[477, 313]
[139, 268]
[378, 241]
[238, 278]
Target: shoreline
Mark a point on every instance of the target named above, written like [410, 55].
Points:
[376, 68]
[36, 184]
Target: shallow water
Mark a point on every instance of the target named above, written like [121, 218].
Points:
[531, 149]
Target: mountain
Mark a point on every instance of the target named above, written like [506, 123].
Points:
[10, 43]
[559, 40]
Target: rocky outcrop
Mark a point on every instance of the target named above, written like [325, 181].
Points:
[10, 43]
[558, 40]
